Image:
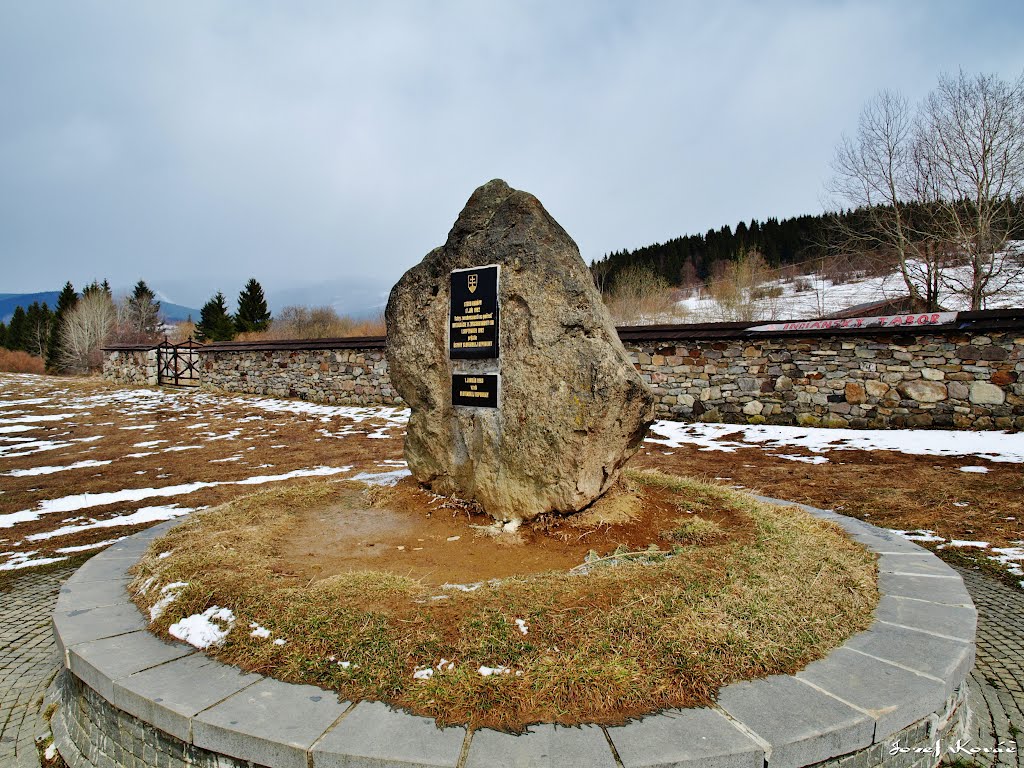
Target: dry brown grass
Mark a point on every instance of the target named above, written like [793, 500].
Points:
[602, 647]
[20, 362]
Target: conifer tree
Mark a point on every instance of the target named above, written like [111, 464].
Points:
[253, 314]
[17, 329]
[142, 312]
[65, 303]
[3, 334]
[215, 323]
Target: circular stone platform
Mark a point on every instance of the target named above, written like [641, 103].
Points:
[888, 696]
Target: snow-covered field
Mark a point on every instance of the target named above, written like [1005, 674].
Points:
[816, 296]
[83, 463]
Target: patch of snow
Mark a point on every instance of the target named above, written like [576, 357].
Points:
[149, 443]
[523, 626]
[1010, 558]
[138, 517]
[28, 401]
[966, 543]
[258, 631]
[801, 458]
[86, 500]
[85, 547]
[382, 478]
[50, 470]
[975, 470]
[499, 670]
[35, 418]
[992, 446]
[18, 560]
[423, 674]
[919, 535]
[202, 630]
[463, 587]
[168, 595]
[14, 428]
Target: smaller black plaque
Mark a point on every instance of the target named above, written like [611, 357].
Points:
[476, 390]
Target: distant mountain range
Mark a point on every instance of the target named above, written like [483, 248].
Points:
[173, 313]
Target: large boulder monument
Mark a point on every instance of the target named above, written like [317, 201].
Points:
[523, 398]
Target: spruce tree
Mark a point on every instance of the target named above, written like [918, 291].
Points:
[215, 323]
[3, 334]
[143, 315]
[252, 314]
[16, 331]
[65, 303]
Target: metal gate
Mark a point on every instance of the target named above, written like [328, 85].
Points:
[178, 364]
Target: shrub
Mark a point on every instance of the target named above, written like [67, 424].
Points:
[318, 323]
[20, 362]
[639, 295]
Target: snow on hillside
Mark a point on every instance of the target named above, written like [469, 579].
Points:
[815, 296]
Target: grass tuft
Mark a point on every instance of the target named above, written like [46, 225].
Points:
[694, 530]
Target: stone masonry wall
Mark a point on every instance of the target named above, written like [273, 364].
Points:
[342, 376]
[928, 379]
[135, 367]
[90, 733]
[864, 381]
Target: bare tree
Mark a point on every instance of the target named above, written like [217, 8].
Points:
[877, 172]
[84, 330]
[970, 136]
[937, 187]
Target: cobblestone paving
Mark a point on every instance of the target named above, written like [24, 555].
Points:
[28, 664]
[996, 688]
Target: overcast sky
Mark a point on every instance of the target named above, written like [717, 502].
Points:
[318, 145]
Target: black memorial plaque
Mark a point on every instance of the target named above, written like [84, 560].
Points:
[473, 314]
[477, 390]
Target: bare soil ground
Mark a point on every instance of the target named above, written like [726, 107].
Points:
[411, 532]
